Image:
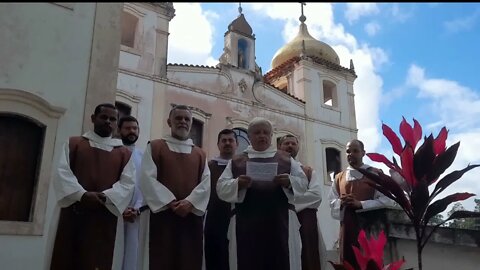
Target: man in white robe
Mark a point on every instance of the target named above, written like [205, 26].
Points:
[264, 229]
[129, 131]
[350, 192]
[306, 207]
[93, 185]
[175, 182]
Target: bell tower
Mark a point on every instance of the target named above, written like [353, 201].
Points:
[239, 44]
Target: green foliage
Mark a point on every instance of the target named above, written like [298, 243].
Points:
[464, 223]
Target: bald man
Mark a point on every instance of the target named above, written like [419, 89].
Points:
[264, 228]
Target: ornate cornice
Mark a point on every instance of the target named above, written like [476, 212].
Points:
[163, 8]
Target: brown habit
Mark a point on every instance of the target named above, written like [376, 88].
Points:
[262, 219]
[216, 224]
[309, 233]
[85, 237]
[349, 227]
[176, 243]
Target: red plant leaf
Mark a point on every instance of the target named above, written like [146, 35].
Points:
[377, 246]
[364, 244]
[394, 265]
[393, 139]
[370, 254]
[463, 214]
[344, 266]
[386, 185]
[449, 179]
[407, 165]
[382, 159]
[442, 204]
[423, 159]
[348, 266]
[442, 162]
[362, 260]
[440, 141]
[417, 132]
[419, 199]
[372, 265]
[407, 132]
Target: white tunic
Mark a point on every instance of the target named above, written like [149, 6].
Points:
[68, 190]
[313, 196]
[157, 196]
[132, 229]
[227, 190]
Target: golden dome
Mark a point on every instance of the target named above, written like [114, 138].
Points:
[313, 48]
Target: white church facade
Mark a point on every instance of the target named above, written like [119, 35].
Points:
[307, 93]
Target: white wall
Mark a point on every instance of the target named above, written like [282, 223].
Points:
[439, 256]
[46, 51]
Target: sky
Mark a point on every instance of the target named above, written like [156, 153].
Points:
[413, 60]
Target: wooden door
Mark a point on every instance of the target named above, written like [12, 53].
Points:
[21, 142]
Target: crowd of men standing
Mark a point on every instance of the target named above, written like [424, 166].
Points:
[169, 208]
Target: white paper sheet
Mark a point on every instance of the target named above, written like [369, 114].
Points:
[260, 171]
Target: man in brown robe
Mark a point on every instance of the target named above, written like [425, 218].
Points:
[93, 185]
[218, 211]
[262, 185]
[307, 207]
[175, 183]
[349, 193]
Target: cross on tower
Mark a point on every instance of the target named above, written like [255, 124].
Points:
[302, 17]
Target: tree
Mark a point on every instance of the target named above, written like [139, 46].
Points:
[477, 205]
[435, 220]
[477, 209]
[464, 223]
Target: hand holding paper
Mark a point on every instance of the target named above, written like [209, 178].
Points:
[282, 180]
[260, 171]
[244, 182]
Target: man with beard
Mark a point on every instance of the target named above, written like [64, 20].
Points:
[262, 184]
[349, 193]
[175, 183]
[306, 208]
[93, 185]
[129, 131]
[218, 211]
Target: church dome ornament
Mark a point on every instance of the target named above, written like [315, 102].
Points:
[304, 45]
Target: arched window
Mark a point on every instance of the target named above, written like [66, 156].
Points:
[333, 160]
[21, 141]
[28, 136]
[330, 94]
[243, 141]
[123, 109]
[242, 53]
[196, 132]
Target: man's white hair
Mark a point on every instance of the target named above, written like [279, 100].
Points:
[257, 121]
